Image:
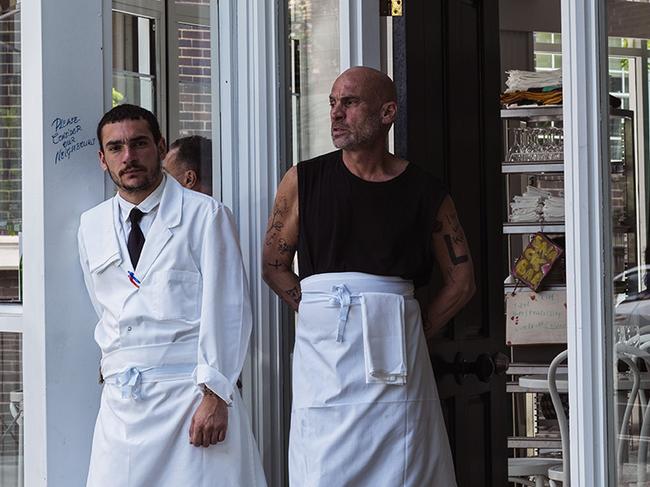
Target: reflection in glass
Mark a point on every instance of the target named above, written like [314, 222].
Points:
[10, 153]
[628, 170]
[11, 411]
[315, 64]
[133, 88]
[134, 60]
[194, 75]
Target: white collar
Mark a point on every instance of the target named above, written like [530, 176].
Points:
[147, 205]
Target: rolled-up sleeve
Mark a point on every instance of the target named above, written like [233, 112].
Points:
[226, 318]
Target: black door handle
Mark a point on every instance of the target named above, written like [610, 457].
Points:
[484, 367]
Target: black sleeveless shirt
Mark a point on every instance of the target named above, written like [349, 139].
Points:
[348, 224]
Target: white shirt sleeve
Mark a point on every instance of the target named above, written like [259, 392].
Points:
[226, 317]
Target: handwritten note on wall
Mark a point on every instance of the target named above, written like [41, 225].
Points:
[535, 318]
[68, 137]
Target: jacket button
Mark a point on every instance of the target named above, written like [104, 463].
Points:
[129, 328]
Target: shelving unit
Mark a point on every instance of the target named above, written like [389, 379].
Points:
[548, 175]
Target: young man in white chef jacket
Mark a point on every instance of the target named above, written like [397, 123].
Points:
[164, 272]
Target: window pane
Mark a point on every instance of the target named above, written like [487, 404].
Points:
[194, 73]
[543, 60]
[134, 60]
[627, 172]
[315, 64]
[10, 153]
[11, 411]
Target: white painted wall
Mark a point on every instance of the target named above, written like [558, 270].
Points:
[62, 78]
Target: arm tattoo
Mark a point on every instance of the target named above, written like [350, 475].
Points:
[276, 224]
[458, 237]
[437, 226]
[295, 294]
[285, 248]
[455, 259]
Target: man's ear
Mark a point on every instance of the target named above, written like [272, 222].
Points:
[388, 112]
[102, 161]
[190, 179]
[162, 148]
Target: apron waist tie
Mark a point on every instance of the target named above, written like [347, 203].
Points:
[129, 380]
[343, 298]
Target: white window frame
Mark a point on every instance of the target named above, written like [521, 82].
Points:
[589, 313]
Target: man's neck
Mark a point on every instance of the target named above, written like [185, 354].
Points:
[137, 197]
[373, 164]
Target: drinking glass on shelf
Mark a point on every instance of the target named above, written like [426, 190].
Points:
[514, 152]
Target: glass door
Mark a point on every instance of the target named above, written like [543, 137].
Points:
[625, 182]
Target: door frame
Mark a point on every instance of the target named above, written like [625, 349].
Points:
[589, 310]
[253, 148]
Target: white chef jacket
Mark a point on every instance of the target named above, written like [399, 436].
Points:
[191, 275]
[186, 302]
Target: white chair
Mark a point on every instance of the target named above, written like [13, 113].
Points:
[559, 473]
[562, 473]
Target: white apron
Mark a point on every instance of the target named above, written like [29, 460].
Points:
[142, 433]
[350, 431]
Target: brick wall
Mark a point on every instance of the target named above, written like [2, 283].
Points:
[195, 111]
[10, 214]
[10, 161]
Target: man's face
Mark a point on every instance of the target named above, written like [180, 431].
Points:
[354, 114]
[131, 156]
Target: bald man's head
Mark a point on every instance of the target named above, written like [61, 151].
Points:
[373, 82]
[363, 106]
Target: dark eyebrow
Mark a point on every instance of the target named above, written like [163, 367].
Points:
[122, 142]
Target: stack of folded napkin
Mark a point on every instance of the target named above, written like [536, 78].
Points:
[553, 209]
[529, 206]
[533, 88]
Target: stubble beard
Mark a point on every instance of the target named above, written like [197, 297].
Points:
[365, 135]
[147, 183]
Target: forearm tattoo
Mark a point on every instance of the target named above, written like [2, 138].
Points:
[294, 294]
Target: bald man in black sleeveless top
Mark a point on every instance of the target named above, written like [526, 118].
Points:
[367, 227]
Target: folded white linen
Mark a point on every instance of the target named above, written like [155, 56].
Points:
[523, 80]
[384, 343]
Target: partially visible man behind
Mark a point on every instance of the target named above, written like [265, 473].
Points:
[189, 161]
[164, 272]
[367, 227]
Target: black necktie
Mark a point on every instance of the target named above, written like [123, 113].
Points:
[136, 237]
